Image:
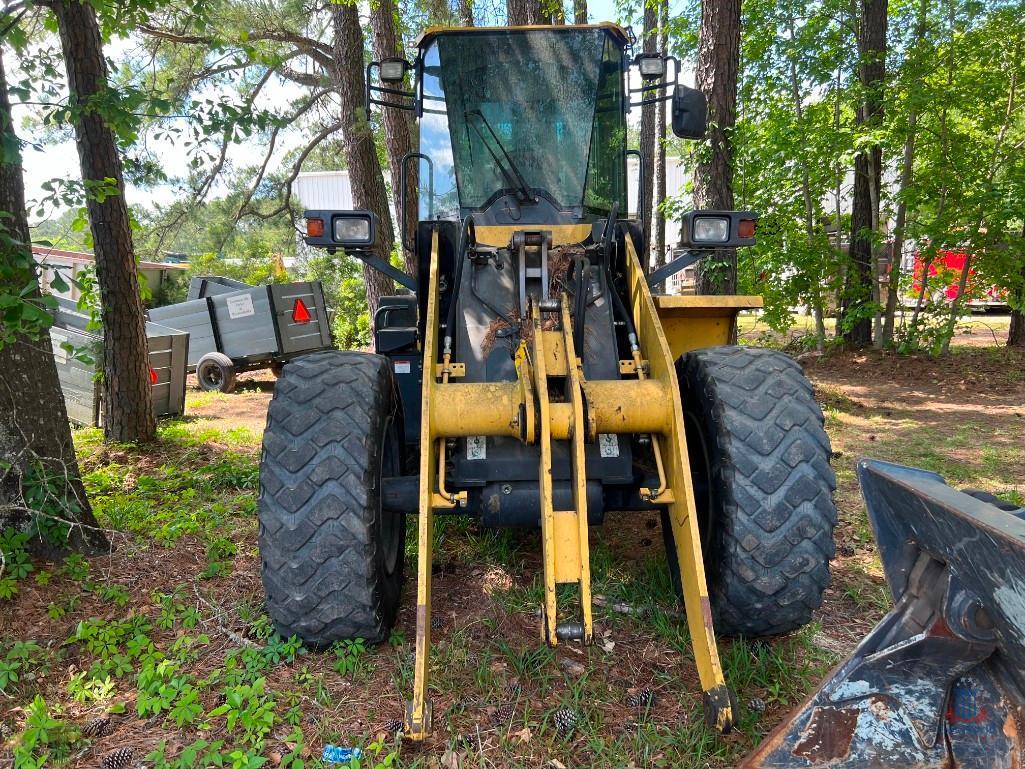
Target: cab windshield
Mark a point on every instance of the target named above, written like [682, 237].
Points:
[534, 113]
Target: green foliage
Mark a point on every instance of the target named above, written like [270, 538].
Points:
[249, 710]
[44, 740]
[350, 659]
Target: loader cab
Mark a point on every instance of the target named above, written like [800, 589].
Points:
[524, 126]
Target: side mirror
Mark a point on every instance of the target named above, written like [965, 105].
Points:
[690, 113]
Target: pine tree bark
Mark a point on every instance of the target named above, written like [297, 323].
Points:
[1016, 335]
[718, 63]
[365, 175]
[34, 431]
[399, 128]
[661, 189]
[648, 139]
[867, 175]
[466, 13]
[524, 12]
[579, 11]
[127, 396]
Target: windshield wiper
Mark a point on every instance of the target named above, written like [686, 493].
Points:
[509, 169]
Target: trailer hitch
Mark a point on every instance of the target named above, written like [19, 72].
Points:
[939, 681]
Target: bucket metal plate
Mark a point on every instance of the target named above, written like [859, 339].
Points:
[939, 682]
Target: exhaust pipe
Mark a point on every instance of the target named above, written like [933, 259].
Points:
[940, 681]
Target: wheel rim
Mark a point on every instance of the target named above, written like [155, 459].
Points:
[212, 375]
[701, 477]
[393, 533]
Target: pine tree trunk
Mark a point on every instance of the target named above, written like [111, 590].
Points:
[648, 139]
[34, 431]
[867, 174]
[365, 176]
[718, 62]
[127, 395]
[518, 12]
[661, 190]
[1016, 335]
[579, 11]
[399, 128]
[466, 13]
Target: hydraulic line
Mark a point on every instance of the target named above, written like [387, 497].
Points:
[468, 230]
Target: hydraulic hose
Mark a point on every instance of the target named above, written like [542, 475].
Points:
[608, 237]
[468, 230]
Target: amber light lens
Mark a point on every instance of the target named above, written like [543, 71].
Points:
[315, 228]
[746, 228]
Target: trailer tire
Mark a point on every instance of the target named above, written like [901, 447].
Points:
[763, 485]
[332, 558]
[215, 372]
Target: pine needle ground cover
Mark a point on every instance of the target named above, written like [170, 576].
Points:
[161, 653]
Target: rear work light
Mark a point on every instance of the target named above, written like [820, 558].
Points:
[299, 312]
[746, 228]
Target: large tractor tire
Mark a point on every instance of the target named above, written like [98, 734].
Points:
[763, 487]
[332, 558]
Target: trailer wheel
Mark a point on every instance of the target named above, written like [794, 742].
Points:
[332, 558]
[216, 372]
[763, 487]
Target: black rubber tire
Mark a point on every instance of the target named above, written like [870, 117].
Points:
[332, 559]
[764, 487]
[215, 372]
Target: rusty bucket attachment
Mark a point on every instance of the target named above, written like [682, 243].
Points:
[939, 682]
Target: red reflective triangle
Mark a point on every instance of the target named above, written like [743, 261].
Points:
[152, 376]
[299, 312]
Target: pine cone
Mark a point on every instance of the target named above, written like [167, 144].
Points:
[118, 759]
[565, 720]
[757, 705]
[436, 622]
[393, 726]
[640, 698]
[96, 728]
[503, 714]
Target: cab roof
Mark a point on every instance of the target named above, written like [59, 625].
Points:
[621, 35]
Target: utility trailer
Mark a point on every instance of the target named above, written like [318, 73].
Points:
[168, 349]
[236, 327]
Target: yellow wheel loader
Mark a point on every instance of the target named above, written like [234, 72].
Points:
[529, 376]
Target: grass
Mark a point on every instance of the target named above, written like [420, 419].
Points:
[169, 638]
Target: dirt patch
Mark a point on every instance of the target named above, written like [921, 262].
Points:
[246, 407]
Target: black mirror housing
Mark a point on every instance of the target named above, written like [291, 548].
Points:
[690, 113]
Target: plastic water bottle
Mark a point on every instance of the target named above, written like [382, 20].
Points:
[334, 754]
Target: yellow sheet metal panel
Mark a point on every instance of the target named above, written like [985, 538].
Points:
[567, 546]
[682, 511]
[694, 322]
[562, 234]
[575, 377]
[618, 32]
[555, 353]
[545, 480]
[417, 723]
